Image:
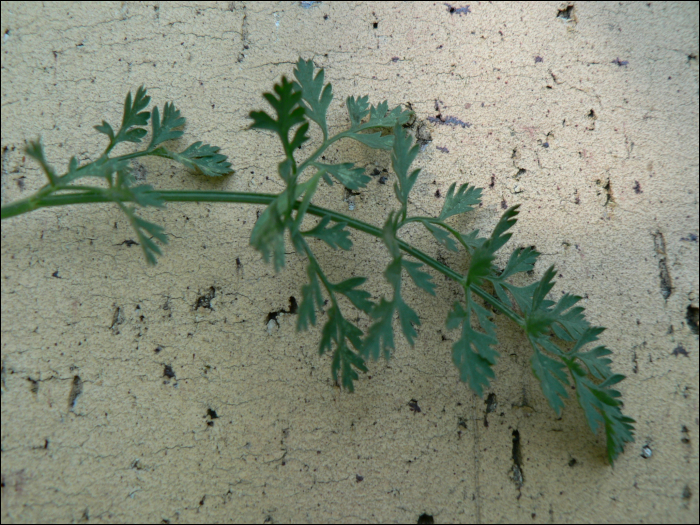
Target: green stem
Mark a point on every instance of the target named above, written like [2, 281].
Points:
[84, 197]
[432, 220]
[319, 272]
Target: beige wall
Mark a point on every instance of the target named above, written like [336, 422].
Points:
[620, 172]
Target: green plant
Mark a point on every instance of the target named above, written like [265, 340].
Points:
[546, 323]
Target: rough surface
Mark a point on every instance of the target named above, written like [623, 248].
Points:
[132, 393]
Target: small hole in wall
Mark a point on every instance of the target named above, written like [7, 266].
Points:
[692, 316]
[565, 13]
[425, 518]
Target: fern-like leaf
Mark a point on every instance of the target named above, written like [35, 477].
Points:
[380, 336]
[337, 332]
[132, 119]
[481, 266]
[349, 176]
[473, 354]
[315, 96]
[202, 158]
[336, 236]
[164, 130]
[466, 198]
[402, 156]
[289, 114]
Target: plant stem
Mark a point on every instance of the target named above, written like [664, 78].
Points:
[91, 197]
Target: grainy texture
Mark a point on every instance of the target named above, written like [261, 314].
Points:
[132, 393]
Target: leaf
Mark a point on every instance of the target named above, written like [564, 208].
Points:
[567, 322]
[389, 235]
[481, 265]
[311, 299]
[380, 335]
[473, 241]
[401, 158]
[133, 116]
[601, 406]
[380, 117]
[472, 353]
[551, 375]
[464, 200]
[344, 361]
[336, 236]
[268, 233]
[143, 230]
[349, 176]
[521, 260]
[35, 149]
[442, 236]
[357, 109]
[598, 365]
[202, 158]
[165, 130]
[408, 318]
[373, 140]
[359, 298]
[314, 94]
[422, 279]
[106, 129]
[289, 114]
[544, 286]
[144, 195]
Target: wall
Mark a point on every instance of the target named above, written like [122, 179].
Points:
[124, 401]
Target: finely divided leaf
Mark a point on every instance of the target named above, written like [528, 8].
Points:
[144, 231]
[202, 158]
[357, 109]
[335, 236]
[133, 116]
[35, 150]
[374, 140]
[389, 235]
[473, 354]
[381, 117]
[601, 405]
[422, 279]
[567, 321]
[145, 196]
[268, 233]
[481, 266]
[359, 298]
[441, 236]
[311, 299]
[521, 260]
[401, 158]
[314, 94]
[106, 129]
[349, 176]
[598, 365]
[380, 336]
[165, 130]
[345, 360]
[289, 114]
[552, 377]
[464, 200]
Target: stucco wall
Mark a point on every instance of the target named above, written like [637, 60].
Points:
[587, 116]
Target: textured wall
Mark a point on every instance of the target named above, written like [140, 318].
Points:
[586, 114]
